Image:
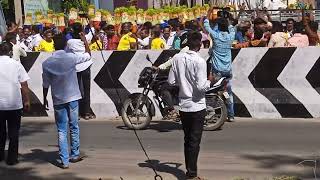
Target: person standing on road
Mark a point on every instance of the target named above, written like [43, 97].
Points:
[189, 72]
[59, 73]
[14, 95]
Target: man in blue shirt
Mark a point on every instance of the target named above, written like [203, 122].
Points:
[59, 73]
[223, 34]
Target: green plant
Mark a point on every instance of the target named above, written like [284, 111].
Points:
[68, 4]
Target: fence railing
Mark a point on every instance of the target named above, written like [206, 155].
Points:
[278, 15]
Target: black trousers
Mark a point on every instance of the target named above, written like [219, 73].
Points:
[84, 81]
[168, 93]
[192, 123]
[13, 119]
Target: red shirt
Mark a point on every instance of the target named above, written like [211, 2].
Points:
[111, 43]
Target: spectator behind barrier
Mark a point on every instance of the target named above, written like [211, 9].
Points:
[144, 39]
[157, 43]
[46, 45]
[128, 40]
[111, 39]
[278, 37]
[290, 27]
[299, 38]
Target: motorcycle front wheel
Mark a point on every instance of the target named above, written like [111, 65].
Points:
[216, 113]
[135, 113]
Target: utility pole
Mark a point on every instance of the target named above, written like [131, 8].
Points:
[18, 11]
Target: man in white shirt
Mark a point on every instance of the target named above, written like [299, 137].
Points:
[168, 37]
[26, 40]
[189, 72]
[14, 95]
[17, 50]
[59, 73]
[144, 39]
[36, 37]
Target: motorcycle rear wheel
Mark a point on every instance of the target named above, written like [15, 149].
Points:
[133, 117]
[216, 113]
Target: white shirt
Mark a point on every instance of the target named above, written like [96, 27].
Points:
[26, 44]
[59, 73]
[168, 42]
[36, 39]
[18, 51]
[274, 5]
[12, 73]
[167, 65]
[189, 72]
[143, 42]
[77, 46]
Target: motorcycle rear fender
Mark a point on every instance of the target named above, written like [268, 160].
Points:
[149, 103]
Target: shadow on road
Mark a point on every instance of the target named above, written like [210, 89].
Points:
[167, 167]
[29, 128]
[12, 173]
[275, 162]
[160, 126]
[37, 156]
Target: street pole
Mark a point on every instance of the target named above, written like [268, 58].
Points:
[18, 11]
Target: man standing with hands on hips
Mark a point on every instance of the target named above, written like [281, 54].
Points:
[59, 73]
[189, 72]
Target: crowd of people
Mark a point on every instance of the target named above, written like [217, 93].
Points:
[259, 32]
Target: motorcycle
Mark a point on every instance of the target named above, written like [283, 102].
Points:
[138, 109]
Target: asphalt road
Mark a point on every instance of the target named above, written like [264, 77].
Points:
[248, 148]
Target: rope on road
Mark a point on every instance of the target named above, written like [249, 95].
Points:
[157, 176]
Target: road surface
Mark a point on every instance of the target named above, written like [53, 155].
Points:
[248, 148]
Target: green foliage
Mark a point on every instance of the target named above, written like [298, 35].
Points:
[68, 4]
[5, 4]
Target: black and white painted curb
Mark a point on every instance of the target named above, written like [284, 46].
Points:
[267, 82]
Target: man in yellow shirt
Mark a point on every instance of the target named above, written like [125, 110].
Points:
[127, 41]
[46, 45]
[157, 43]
